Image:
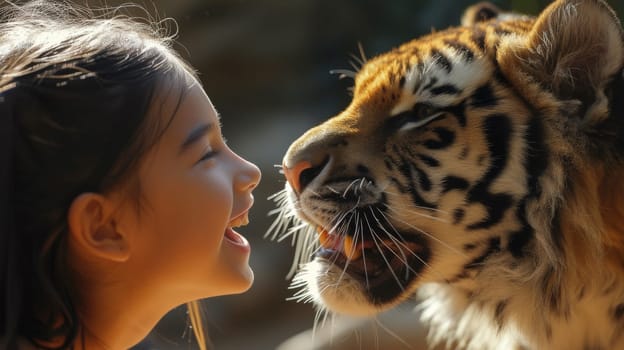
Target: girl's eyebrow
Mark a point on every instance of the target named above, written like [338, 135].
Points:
[196, 133]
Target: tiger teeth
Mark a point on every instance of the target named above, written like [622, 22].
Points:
[355, 251]
[324, 238]
[351, 251]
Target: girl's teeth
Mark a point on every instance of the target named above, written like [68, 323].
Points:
[242, 221]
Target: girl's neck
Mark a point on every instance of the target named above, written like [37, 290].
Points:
[118, 318]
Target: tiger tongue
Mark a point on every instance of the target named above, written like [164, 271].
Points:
[329, 241]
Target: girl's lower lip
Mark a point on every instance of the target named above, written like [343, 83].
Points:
[236, 239]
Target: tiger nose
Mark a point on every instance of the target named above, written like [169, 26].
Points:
[293, 174]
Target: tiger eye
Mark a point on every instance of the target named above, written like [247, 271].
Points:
[423, 110]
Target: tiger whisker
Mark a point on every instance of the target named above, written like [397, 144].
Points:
[355, 217]
[383, 256]
[357, 60]
[436, 210]
[417, 213]
[374, 233]
[317, 320]
[362, 53]
[391, 333]
[354, 65]
[446, 245]
[333, 190]
[344, 73]
[304, 243]
[362, 180]
[365, 269]
[402, 244]
[402, 257]
[344, 194]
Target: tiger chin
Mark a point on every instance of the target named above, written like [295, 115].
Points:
[480, 168]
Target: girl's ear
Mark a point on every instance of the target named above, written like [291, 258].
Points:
[93, 230]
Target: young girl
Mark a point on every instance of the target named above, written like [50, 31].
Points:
[118, 194]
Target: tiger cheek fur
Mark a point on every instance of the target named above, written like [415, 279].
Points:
[476, 167]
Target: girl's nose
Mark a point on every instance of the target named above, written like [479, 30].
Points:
[248, 177]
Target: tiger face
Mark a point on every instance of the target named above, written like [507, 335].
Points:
[453, 162]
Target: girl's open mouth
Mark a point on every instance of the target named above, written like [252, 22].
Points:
[233, 236]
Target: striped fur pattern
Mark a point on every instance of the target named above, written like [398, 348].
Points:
[481, 168]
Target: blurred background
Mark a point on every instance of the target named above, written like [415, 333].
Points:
[265, 64]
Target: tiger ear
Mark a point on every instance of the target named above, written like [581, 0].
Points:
[573, 50]
[480, 12]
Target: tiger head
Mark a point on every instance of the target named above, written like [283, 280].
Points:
[475, 147]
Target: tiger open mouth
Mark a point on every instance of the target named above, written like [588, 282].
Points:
[383, 266]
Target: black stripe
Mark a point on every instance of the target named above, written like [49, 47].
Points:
[446, 138]
[536, 155]
[497, 129]
[470, 247]
[493, 247]
[458, 215]
[484, 97]
[401, 82]
[518, 240]
[462, 49]
[459, 112]
[446, 89]
[499, 314]
[450, 183]
[496, 205]
[429, 161]
[441, 60]
[405, 169]
[460, 276]
[423, 179]
[618, 312]
[478, 36]
[499, 77]
[431, 83]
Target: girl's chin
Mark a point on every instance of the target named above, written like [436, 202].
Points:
[242, 282]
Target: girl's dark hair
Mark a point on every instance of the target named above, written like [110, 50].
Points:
[75, 89]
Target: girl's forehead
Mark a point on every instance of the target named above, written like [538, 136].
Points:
[184, 106]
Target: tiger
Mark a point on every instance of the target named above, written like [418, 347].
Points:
[479, 169]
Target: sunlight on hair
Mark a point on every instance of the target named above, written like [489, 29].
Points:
[195, 316]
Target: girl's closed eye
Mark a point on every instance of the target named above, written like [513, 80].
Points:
[208, 154]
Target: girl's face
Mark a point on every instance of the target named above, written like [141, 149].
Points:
[194, 190]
